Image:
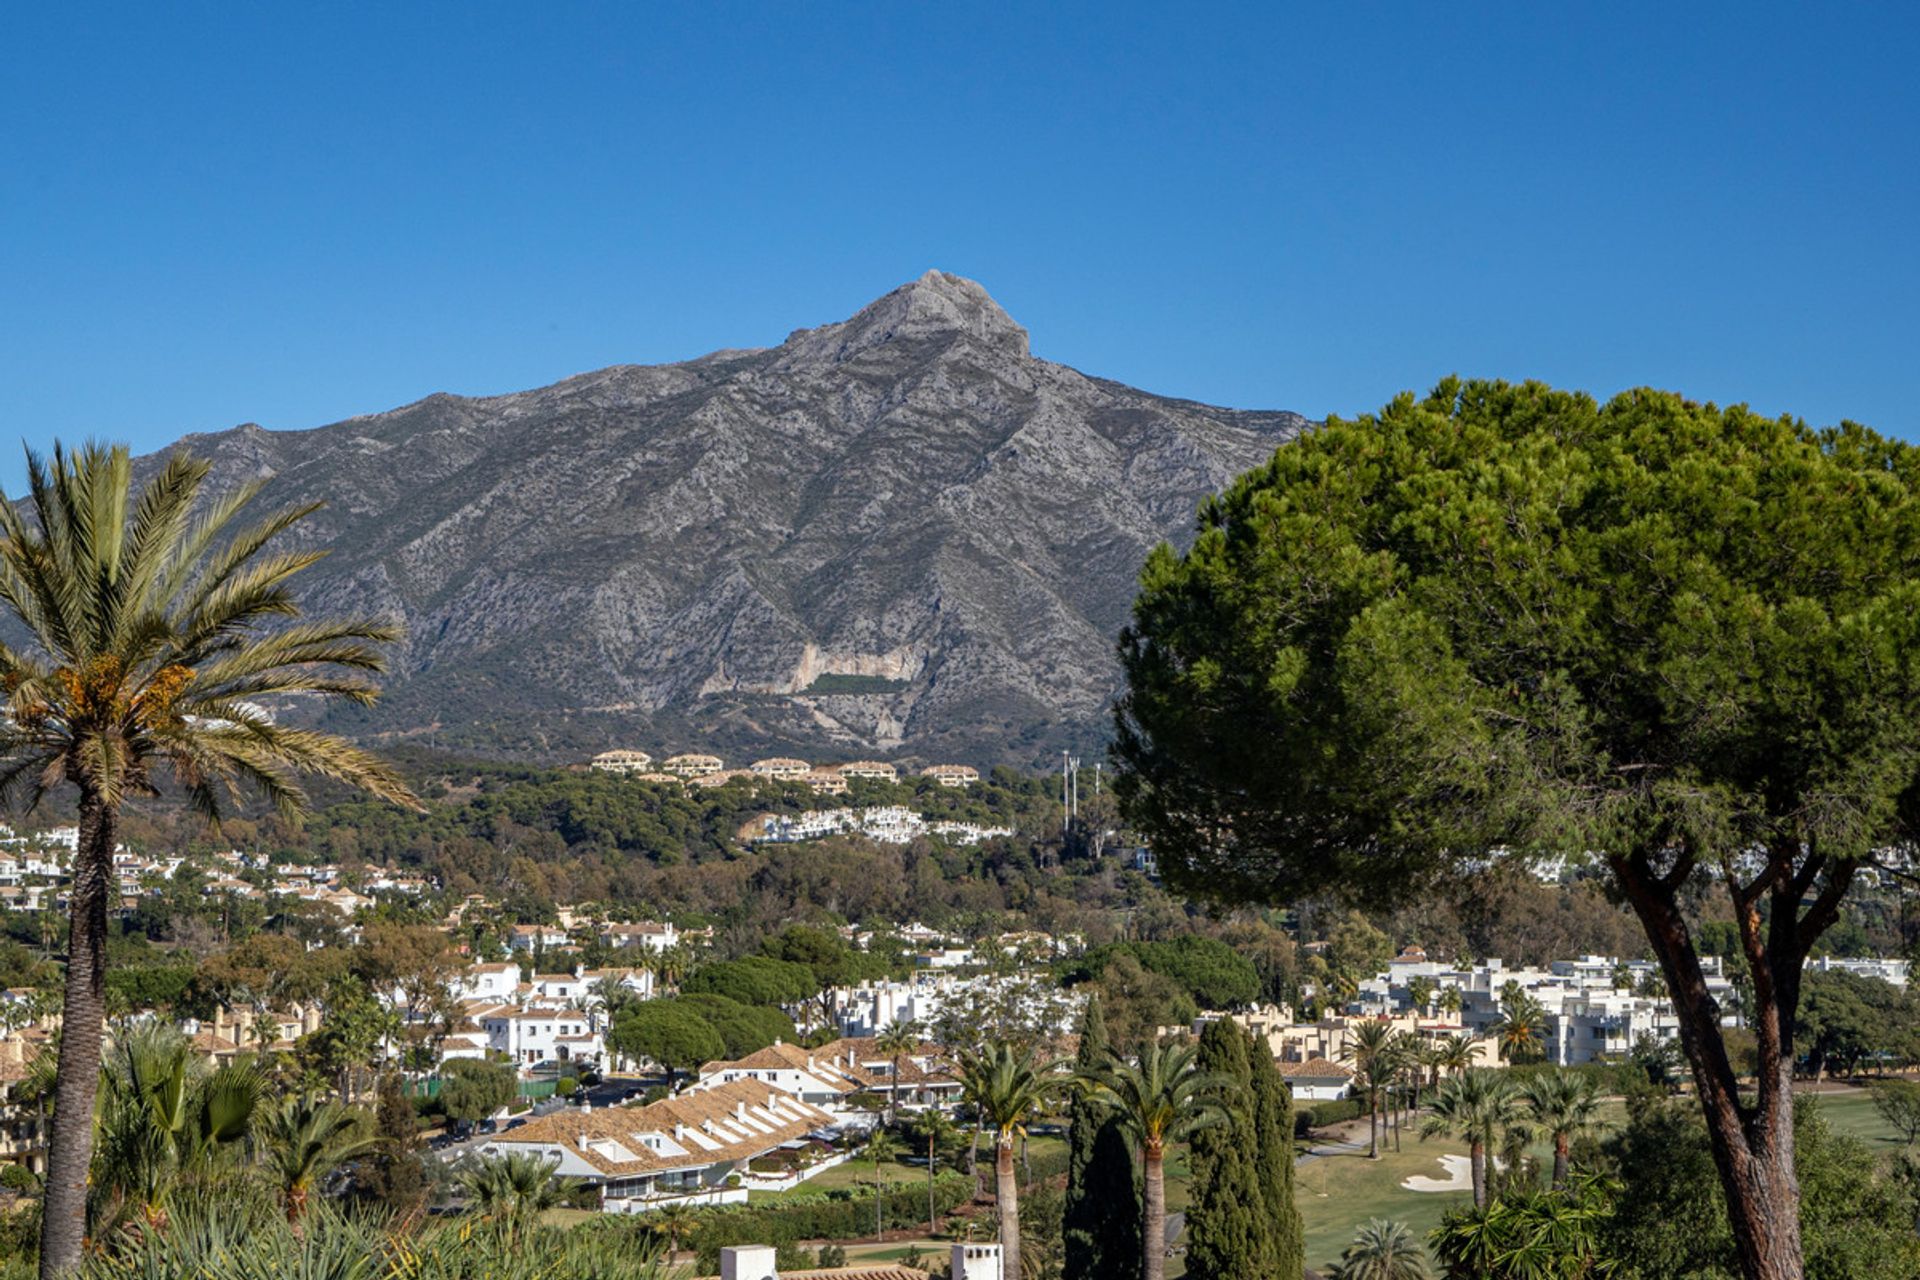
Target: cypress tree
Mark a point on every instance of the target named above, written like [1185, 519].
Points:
[1102, 1210]
[1227, 1235]
[1273, 1124]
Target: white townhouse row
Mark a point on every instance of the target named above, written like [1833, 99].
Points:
[1586, 1017]
[693, 1149]
[871, 1007]
[888, 824]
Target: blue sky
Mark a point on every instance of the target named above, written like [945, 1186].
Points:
[288, 215]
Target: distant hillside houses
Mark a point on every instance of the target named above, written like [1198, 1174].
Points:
[622, 761]
[888, 824]
[711, 770]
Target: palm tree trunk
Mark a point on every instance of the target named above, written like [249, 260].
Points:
[1560, 1161]
[63, 1229]
[930, 1217]
[1006, 1197]
[1153, 1237]
[1373, 1124]
[1477, 1160]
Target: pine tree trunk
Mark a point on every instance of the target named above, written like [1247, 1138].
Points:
[1153, 1237]
[63, 1230]
[1006, 1195]
[1752, 1142]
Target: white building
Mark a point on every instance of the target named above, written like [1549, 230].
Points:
[538, 1034]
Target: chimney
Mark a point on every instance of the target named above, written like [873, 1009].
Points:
[976, 1262]
[756, 1262]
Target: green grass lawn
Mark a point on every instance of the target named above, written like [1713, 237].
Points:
[1337, 1194]
[1853, 1113]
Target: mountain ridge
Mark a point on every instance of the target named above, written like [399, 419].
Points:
[669, 555]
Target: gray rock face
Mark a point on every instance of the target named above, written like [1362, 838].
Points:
[900, 534]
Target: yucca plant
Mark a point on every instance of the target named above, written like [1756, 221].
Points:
[153, 621]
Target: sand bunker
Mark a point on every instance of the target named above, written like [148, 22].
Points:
[1459, 1177]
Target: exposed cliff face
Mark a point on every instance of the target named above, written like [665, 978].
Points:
[700, 553]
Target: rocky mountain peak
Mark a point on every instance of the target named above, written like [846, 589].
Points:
[939, 305]
[899, 534]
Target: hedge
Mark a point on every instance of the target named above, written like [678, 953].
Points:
[830, 1215]
[1321, 1114]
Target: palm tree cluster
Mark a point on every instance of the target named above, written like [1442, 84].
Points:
[1392, 1067]
[1159, 1096]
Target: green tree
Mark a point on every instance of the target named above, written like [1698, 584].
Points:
[1008, 1088]
[1846, 1019]
[393, 1175]
[1680, 639]
[1228, 1235]
[148, 625]
[662, 1031]
[1480, 1107]
[1273, 1130]
[1670, 1218]
[1898, 1102]
[1383, 1250]
[472, 1089]
[1162, 1099]
[1102, 1209]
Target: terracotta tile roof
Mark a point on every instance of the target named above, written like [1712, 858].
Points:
[729, 1122]
[1314, 1068]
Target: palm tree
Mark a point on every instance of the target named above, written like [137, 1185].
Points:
[1450, 1001]
[1382, 1251]
[1480, 1107]
[515, 1189]
[677, 1222]
[881, 1149]
[1162, 1099]
[1455, 1054]
[304, 1141]
[1521, 1019]
[1372, 1051]
[1007, 1088]
[1565, 1105]
[897, 1041]
[163, 1118]
[152, 622]
[933, 1125]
